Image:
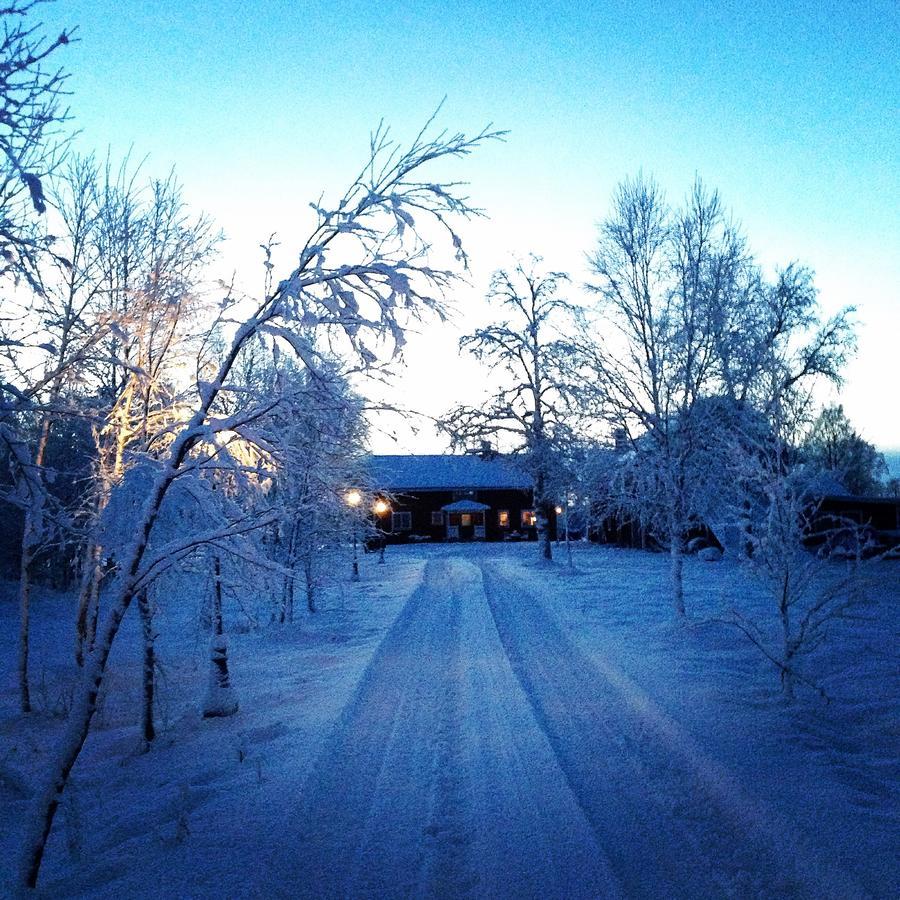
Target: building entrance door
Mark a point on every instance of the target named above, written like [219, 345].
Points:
[466, 522]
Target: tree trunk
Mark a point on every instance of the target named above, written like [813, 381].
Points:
[24, 615]
[310, 578]
[676, 552]
[220, 697]
[543, 532]
[87, 594]
[290, 580]
[542, 520]
[148, 732]
[787, 673]
[93, 615]
[281, 616]
[287, 614]
[568, 541]
[40, 820]
[31, 533]
[787, 682]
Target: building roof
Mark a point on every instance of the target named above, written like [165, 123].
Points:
[445, 472]
[465, 506]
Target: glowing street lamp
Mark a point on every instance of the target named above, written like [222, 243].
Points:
[353, 499]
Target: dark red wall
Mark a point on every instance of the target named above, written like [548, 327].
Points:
[422, 503]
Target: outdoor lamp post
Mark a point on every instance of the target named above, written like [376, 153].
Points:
[380, 509]
[354, 498]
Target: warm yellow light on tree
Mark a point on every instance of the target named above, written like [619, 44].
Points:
[353, 498]
[381, 507]
[559, 510]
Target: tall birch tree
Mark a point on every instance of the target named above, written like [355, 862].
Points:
[362, 271]
[659, 275]
[684, 315]
[30, 99]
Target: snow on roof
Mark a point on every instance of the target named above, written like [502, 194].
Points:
[823, 484]
[465, 506]
[445, 472]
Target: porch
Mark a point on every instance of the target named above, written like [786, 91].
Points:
[464, 520]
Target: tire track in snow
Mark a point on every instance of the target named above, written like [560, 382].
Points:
[366, 803]
[449, 831]
[532, 838]
[669, 828]
[436, 780]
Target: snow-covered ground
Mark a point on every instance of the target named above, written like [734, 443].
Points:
[465, 722]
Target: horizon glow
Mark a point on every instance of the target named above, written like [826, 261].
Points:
[791, 114]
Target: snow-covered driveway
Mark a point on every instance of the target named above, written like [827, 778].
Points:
[484, 755]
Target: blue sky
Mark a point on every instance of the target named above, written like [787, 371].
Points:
[790, 109]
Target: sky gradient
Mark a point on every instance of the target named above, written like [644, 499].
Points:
[790, 110]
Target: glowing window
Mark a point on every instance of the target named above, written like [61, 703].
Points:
[503, 518]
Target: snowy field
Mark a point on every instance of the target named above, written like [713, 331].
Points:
[464, 722]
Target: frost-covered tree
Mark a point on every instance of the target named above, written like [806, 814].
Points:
[790, 556]
[98, 341]
[324, 440]
[150, 254]
[531, 411]
[834, 446]
[317, 433]
[207, 516]
[685, 317]
[46, 336]
[774, 347]
[661, 277]
[30, 95]
[362, 271]
[31, 91]
[66, 322]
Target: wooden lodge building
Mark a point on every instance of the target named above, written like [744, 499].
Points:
[471, 497]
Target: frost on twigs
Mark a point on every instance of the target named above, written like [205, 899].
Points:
[361, 275]
[365, 269]
[810, 594]
[532, 412]
[689, 342]
[31, 91]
